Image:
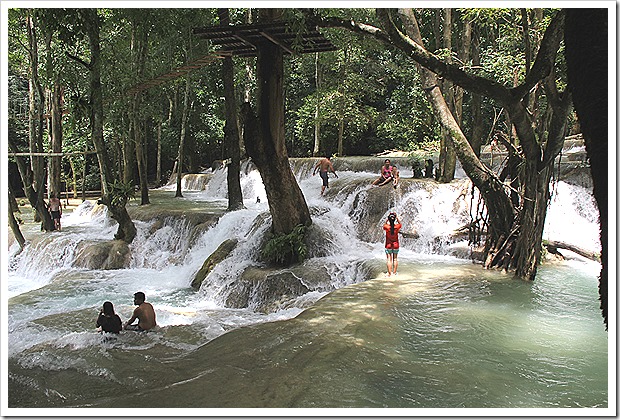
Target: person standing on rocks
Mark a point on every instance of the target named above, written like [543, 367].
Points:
[324, 166]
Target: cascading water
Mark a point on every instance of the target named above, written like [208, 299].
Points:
[53, 304]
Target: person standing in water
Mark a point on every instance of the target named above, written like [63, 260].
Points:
[391, 227]
[324, 166]
[108, 321]
[144, 313]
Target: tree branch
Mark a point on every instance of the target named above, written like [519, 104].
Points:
[78, 59]
[545, 59]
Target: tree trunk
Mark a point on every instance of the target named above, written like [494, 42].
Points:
[126, 228]
[477, 135]
[514, 238]
[34, 197]
[128, 150]
[447, 155]
[182, 137]
[586, 57]
[231, 129]
[12, 221]
[55, 163]
[35, 120]
[139, 46]
[158, 176]
[264, 141]
[317, 123]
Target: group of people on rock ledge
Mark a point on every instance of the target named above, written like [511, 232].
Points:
[109, 321]
[392, 226]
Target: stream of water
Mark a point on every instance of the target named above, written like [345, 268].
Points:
[442, 334]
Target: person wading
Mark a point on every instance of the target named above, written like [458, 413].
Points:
[144, 313]
[391, 227]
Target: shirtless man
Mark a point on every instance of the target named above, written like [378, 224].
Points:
[56, 210]
[324, 165]
[144, 313]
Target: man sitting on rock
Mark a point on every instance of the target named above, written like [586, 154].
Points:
[144, 313]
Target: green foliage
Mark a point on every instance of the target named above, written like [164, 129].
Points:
[120, 193]
[286, 249]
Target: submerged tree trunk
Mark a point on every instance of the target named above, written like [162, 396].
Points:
[264, 142]
[231, 129]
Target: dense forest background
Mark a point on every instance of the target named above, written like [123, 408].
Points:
[360, 99]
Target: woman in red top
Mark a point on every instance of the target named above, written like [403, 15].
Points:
[392, 227]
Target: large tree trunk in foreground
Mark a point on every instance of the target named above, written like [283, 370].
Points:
[264, 142]
[586, 56]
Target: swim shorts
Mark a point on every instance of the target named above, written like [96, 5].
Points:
[391, 251]
[324, 178]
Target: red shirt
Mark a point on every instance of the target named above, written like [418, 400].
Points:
[391, 239]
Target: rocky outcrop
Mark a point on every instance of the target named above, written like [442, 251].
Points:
[266, 290]
[221, 253]
[108, 255]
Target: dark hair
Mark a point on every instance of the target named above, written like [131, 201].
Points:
[139, 296]
[392, 218]
[108, 308]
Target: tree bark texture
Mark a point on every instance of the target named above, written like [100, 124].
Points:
[55, 162]
[317, 123]
[586, 39]
[139, 47]
[34, 197]
[19, 237]
[36, 110]
[126, 228]
[264, 142]
[181, 153]
[231, 128]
